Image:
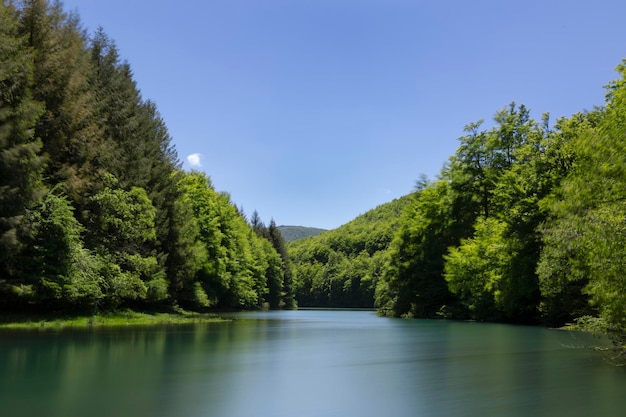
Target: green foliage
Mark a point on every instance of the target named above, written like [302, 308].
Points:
[341, 267]
[69, 128]
[121, 220]
[240, 269]
[477, 226]
[197, 193]
[291, 233]
[281, 289]
[505, 247]
[272, 253]
[562, 272]
[120, 229]
[586, 229]
[21, 163]
[477, 270]
[182, 251]
[53, 262]
[413, 283]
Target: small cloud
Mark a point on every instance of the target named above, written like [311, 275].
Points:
[194, 160]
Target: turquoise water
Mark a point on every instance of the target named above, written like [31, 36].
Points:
[309, 363]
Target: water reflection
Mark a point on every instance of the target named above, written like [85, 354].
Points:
[308, 363]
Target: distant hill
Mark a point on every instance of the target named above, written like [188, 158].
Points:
[340, 268]
[291, 233]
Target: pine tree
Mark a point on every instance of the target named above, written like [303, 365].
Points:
[258, 226]
[20, 160]
[287, 294]
[119, 106]
[69, 129]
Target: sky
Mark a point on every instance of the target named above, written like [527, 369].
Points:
[312, 112]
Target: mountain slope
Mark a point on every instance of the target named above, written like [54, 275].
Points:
[291, 233]
[340, 268]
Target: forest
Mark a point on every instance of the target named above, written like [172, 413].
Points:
[96, 213]
[525, 223]
[341, 267]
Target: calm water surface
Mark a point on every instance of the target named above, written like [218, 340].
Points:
[308, 363]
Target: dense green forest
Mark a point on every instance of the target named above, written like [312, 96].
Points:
[505, 233]
[95, 211]
[526, 223]
[341, 267]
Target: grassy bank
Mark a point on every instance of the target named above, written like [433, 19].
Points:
[118, 319]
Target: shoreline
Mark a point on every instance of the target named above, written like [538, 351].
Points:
[17, 321]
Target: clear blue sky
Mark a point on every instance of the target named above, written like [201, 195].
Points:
[315, 111]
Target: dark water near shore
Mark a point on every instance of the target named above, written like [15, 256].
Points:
[306, 364]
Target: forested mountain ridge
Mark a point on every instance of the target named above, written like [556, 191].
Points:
[95, 211]
[291, 233]
[341, 267]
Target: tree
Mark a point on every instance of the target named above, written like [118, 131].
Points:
[561, 272]
[413, 283]
[234, 274]
[500, 170]
[341, 267]
[53, 264]
[478, 269]
[21, 163]
[144, 157]
[258, 226]
[484, 156]
[282, 291]
[198, 194]
[120, 230]
[70, 129]
[182, 251]
[280, 284]
[590, 203]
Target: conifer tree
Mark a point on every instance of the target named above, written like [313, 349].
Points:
[258, 226]
[287, 294]
[119, 107]
[69, 128]
[20, 162]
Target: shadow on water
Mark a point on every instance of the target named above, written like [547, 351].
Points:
[308, 363]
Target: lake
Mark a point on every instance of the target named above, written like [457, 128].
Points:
[308, 363]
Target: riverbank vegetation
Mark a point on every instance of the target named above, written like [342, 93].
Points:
[127, 318]
[96, 214]
[524, 224]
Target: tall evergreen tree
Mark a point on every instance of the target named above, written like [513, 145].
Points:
[120, 108]
[286, 291]
[258, 226]
[70, 127]
[20, 161]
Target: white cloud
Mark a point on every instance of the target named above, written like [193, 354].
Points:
[194, 160]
